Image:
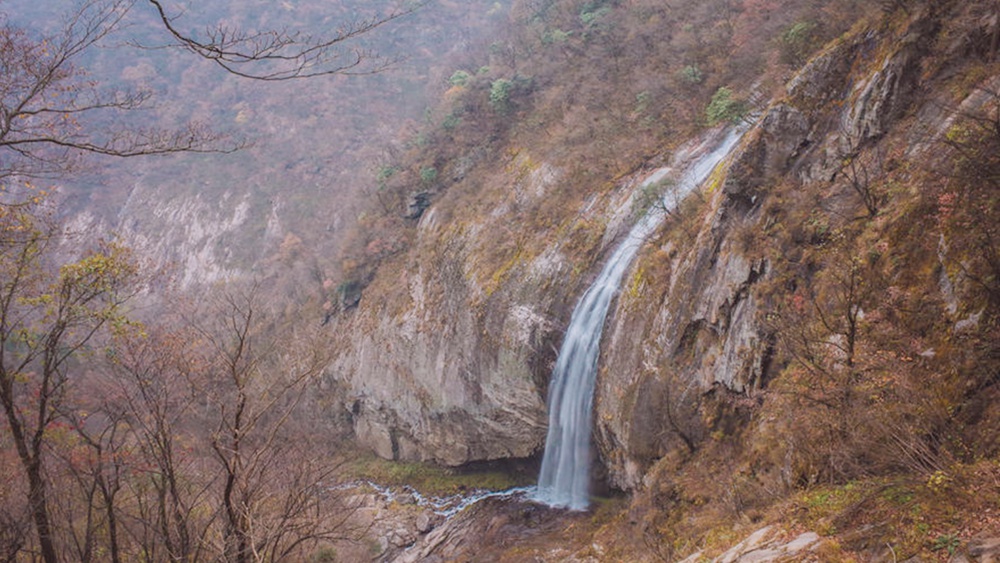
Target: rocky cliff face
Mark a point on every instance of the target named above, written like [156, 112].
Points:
[447, 356]
[835, 220]
[701, 328]
[201, 240]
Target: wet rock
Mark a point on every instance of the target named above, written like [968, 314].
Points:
[767, 152]
[702, 330]
[747, 172]
[492, 524]
[786, 131]
[427, 521]
[349, 295]
[706, 327]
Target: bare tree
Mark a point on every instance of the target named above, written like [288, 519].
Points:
[820, 330]
[13, 533]
[47, 103]
[152, 372]
[862, 168]
[194, 444]
[862, 173]
[209, 422]
[49, 109]
[274, 55]
[82, 498]
[271, 489]
[98, 464]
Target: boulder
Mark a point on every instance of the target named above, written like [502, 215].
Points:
[764, 546]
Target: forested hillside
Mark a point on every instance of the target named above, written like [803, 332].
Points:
[297, 298]
[276, 209]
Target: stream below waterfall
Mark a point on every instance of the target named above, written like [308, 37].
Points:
[446, 506]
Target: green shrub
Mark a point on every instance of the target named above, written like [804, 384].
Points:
[428, 175]
[591, 19]
[385, 172]
[724, 107]
[691, 74]
[459, 78]
[650, 196]
[450, 122]
[500, 95]
[382, 177]
[325, 555]
[947, 542]
[552, 36]
[642, 101]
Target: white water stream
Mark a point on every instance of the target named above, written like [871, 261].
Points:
[565, 474]
[447, 506]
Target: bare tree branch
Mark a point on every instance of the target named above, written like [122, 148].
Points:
[48, 108]
[276, 55]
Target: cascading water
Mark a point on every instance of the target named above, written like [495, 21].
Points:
[565, 474]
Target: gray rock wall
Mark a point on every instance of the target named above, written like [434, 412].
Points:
[453, 369]
[449, 361]
[702, 330]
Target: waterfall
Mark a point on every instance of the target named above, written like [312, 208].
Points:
[565, 473]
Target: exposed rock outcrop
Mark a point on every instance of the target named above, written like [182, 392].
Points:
[984, 550]
[765, 545]
[488, 528]
[704, 329]
[425, 386]
[882, 96]
[449, 361]
[450, 353]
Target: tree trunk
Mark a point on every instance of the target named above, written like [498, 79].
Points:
[40, 510]
[32, 464]
[108, 492]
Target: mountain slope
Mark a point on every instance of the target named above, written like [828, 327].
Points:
[817, 334]
[528, 181]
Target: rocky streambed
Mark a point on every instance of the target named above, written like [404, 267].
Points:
[402, 524]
